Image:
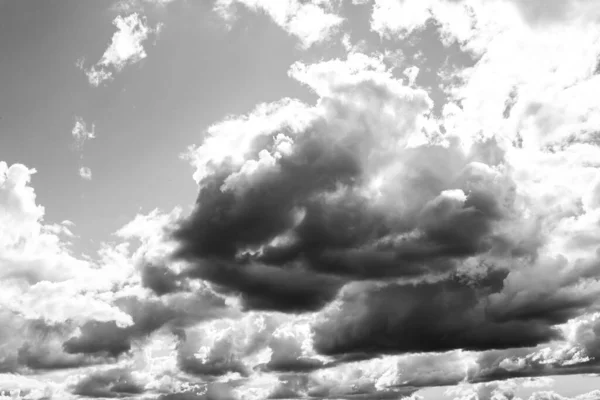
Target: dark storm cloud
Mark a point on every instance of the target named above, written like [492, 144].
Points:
[265, 287]
[35, 357]
[547, 290]
[112, 383]
[293, 365]
[224, 222]
[32, 345]
[286, 233]
[236, 212]
[428, 317]
[160, 279]
[99, 337]
[314, 194]
[148, 316]
[183, 396]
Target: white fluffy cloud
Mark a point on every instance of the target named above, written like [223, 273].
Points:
[48, 296]
[310, 21]
[40, 277]
[126, 48]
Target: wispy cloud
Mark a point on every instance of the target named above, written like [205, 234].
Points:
[82, 134]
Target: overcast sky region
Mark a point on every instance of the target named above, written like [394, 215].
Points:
[300, 199]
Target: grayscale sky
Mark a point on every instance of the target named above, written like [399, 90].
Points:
[299, 199]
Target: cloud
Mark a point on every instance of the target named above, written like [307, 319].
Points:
[152, 232]
[126, 48]
[148, 316]
[555, 396]
[81, 134]
[366, 245]
[485, 391]
[313, 208]
[46, 292]
[364, 213]
[311, 21]
[109, 383]
[375, 321]
[64, 313]
[85, 173]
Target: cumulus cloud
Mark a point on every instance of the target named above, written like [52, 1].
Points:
[46, 291]
[126, 48]
[398, 235]
[60, 312]
[319, 204]
[365, 245]
[375, 321]
[311, 21]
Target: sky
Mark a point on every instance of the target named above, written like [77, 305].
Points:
[300, 199]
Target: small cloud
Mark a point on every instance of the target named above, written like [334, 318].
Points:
[80, 63]
[85, 173]
[136, 5]
[126, 48]
[97, 76]
[81, 133]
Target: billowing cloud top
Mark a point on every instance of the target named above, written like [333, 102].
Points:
[425, 221]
